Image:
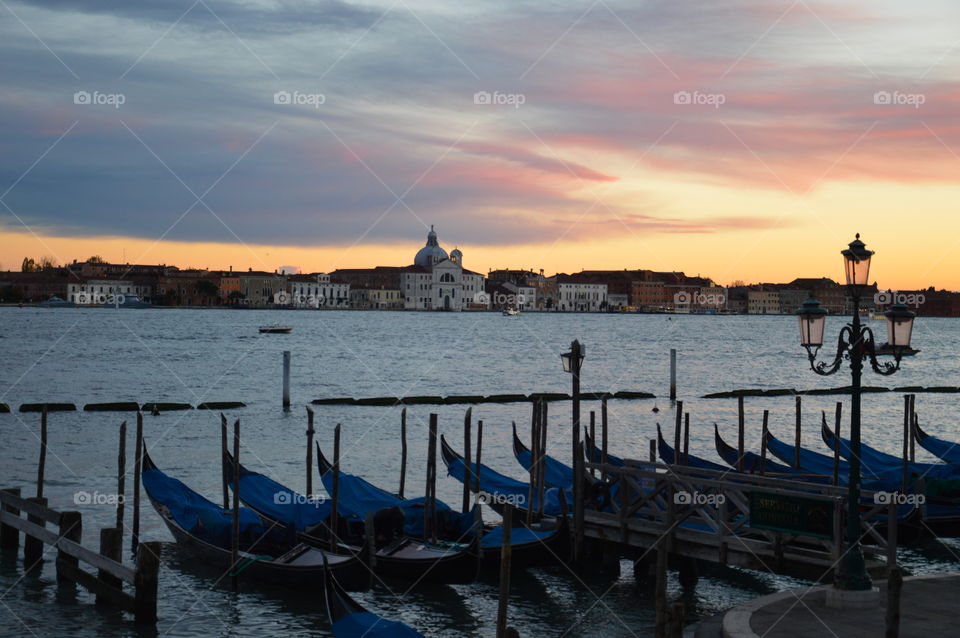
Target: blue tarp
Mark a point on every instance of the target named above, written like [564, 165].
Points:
[946, 450]
[555, 473]
[518, 536]
[357, 497]
[508, 490]
[280, 502]
[363, 624]
[889, 466]
[202, 518]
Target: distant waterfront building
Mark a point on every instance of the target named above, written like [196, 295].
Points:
[577, 293]
[764, 300]
[376, 299]
[438, 281]
[317, 290]
[96, 292]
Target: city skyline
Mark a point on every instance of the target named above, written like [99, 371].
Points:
[682, 136]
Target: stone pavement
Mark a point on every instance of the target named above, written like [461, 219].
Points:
[929, 608]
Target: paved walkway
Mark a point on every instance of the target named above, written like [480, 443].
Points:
[928, 609]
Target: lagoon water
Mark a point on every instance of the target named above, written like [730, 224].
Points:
[98, 355]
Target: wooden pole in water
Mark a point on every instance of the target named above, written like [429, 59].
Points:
[505, 556]
[913, 421]
[676, 433]
[137, 469]
[653, 450]
[763, 444]
[593, 440]
[403, 450]
[603, 437]
[432, 479]
[533, 471]
[223, 461]
[467, 437]
[906, 442]
[334, 514]
[836, 450]
[673, 374]
[41, 466]
[286, 380]
[235, 527]
[740, 433]
[894, 587]
[541, 480]
[310, 433]
[479, 450]
[111, 546]
[121, 475]
[660, 603]
[686, 438]
[796, 436]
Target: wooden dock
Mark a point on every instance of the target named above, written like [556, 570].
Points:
[757, 522]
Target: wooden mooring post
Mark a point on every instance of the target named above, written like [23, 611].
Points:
[310, 433]
[836, 451]
[479, 451]
[763, 443]
[593, 438]
[740, 433]
[137, 469]
[403, 451]
[33, 545]
[505, 557]
[106, 582]
[121, 475]
[796, 435]
[677, 456]
[541, 454]
[235, 522]
[913, 421]
[673, 374]
[660, 601]
[286, 380]
[42, 464]
[467, 439]
[894, 589]
[335, 497]
[603, 437]
[907, 427]
[430, 514]
[223, 461]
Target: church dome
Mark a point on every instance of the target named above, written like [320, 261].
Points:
[431, 253]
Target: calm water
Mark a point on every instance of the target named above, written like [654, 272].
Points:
[84, 356]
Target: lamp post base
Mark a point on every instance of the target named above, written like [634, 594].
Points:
[853, 598]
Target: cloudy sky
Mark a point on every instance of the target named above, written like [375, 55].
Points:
[741, 140]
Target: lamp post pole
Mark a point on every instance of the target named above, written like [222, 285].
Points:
[575, 373]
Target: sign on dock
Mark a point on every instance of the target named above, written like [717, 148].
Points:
[792, 514]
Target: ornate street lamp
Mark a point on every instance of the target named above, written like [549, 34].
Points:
[855, 343]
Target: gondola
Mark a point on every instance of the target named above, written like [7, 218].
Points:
[402, 558]
[528, 546]
[596, 453]
[941, 448]
[752, 463]
[668, 456]
[887, 465]
[555, 473]
[350, 619]
[267, 553]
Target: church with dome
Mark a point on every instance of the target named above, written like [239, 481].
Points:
[438, 281]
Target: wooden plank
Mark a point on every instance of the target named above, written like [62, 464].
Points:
[104, 592]
[29, 507]
[69, 547]
[9, 536]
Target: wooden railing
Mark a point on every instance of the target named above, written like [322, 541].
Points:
[111, 574]
[715, 512]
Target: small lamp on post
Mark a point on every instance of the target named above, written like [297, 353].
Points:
[572, 361]
[899, 326]
[813, 320]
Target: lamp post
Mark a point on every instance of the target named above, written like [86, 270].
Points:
[855, 343]
[572, 361]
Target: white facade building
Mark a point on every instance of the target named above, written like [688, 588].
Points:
[581, 297]
[317, 291]
[438, 281]
[96, 292]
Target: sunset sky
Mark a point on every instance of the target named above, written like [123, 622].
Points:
[743, 139]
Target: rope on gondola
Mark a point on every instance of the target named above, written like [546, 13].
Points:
[246, 562]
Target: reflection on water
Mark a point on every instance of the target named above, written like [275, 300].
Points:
[85, 356]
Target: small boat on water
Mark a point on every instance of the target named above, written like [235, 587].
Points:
[886, 349]
[276, 329]
[57, 302]
[128, 301]
[350, 619]
[267, 553]
[510, 312]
